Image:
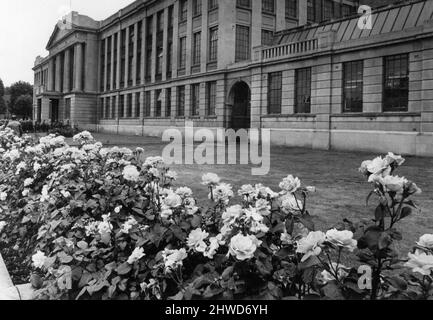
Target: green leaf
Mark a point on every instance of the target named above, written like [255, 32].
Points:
[379, 214]
[124, 268]
[398, 283]
[177, 297]
[310, 262]
[64, 258]
[308, 223]
[332, 291]
[405, 212]
[228, 273]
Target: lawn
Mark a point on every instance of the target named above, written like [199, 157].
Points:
[341, 189]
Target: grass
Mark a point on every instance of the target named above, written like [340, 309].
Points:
[341, 189]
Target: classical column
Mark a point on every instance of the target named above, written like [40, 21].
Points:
[204, 36]
[154, 51]
[78, 67]
[175, 52]
[119, 61]
[112, 80]
[134, 60]
[164, 46]
[67, 71]
[126, 57]
[105, 62]
[58, 84]
[51, 74]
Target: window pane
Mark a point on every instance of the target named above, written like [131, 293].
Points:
[353, 73]
[181, 101]
[213, 44]
[196, 7]
[168, 103]
[303, 90]
[213, 4]
[195, 99]
[396, 86]
[211, 98]
[183, 7]
[196, 58]
[275, 92]
[182, 53]
[268, 6]
[291, 8]
[243, 47]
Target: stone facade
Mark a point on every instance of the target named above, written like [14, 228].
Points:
[124, 74]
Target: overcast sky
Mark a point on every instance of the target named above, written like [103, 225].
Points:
[26, 26]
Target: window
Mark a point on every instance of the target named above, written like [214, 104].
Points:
[129, 105]
[183, 8]
[115, 61]
[131, 53]
[147, 104]
[122, 58]
[353, 86]
[113, 108]
[67, 109]
[275, 92]
[170, 43]
[211, 98]
[121, 106]
[268, 6]
[159, 44]
[213, 44]
[168, 103]
[196, 7]
[213, 4]
[303, 90]
[328, 10]
[243, 47]
[109, 55]
[137, 105]
[102, 64]
[158, 103]
[182, 53]
[107, 108]
[396, 83]
[291, 8]
[181, 101]
[311, 10]
[244, 3]
[139, 52]
[196, 55]
[267, 38]
[149, 42]
[195, 97]
[346, 10]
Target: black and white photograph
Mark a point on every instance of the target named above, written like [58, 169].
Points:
[210, 157]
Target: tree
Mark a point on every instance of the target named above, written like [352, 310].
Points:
[2, 101]
[20, 92]
[23, 106]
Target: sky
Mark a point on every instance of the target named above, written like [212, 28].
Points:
[26, 26]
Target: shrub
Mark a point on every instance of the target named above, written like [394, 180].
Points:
[94, 223]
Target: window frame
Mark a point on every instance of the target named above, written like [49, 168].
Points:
[406, 73]
[275, 92]
[360, 87]
[306, 85]
[241, 55]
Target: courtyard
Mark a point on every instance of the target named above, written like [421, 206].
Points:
[341, 188]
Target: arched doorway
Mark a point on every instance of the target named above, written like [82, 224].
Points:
[240, 98]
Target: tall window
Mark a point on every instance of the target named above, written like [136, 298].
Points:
[102, 64]
[131, 54]
[122, 58]
[183, 10]
[396, 83]
[182, 53]
[195, 97]
[129, 105]
[139, 52]
[303, 90]
[213, 4]
[159, 44]
[268, 6]
[137, 105]
[107, 108]
[196, 7]
[109, 54]
[181, 101]
[168, 103]
[353, 73]
[275, 92]
[158, 103]
[67, 109]
[213, 44]
[328, 10]
[267, 37]
[291, 8]
[113, 108]
[311, 10]
[149, 42]
[115, 61]
[243, 3]
[211, 98]
[147, 103]
[170, 43]
[243, 47]
[121, 106]
[196, 55]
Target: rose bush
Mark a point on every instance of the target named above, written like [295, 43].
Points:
[87, 222]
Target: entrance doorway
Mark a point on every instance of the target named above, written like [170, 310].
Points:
[240, 95]
[54, 110]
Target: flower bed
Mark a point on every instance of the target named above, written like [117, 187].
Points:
[93, 223]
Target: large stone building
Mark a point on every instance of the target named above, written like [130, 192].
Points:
[304, 69]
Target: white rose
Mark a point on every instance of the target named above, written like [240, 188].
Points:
[391, 158]
[290, 184]
[173, 258]
[210, 179]
[2, 225]
[212, 249]
[232, 213]
[136, 255]
[172, 200]
[420, 262]
[154, 172]
[28, 182]
[166, 212]
[131, 173]
[291, 205]
[377, 166]
[222, 193]
[343, 239]
[263, 207]
[184, 192]
[25, 192]
[128, 225]
[247, 191]
[394, 184]
[171, 175]
[39, 259]
[243, 247]
[154, 161]
[426, 241]
[253, 215]
[310, 245]
[3, 196]
[196, 240]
